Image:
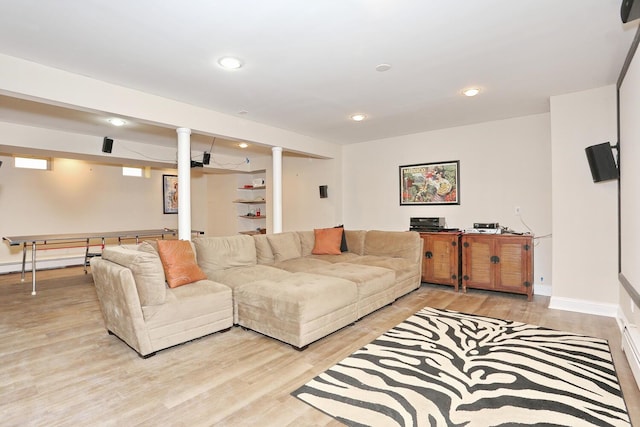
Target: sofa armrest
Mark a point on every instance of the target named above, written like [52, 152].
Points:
[120, 304]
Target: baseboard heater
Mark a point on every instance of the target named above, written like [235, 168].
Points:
[44, 264]
[631, 347]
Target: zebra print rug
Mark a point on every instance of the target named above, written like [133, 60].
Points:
[444, 368]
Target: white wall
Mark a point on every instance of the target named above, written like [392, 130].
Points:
[503, 164]
[585, 222]
[199, 205]
[222, 215]
[79, 196]
[76, 196]
[629, 185]
[302, 207]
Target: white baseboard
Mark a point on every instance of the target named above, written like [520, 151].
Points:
[630, 340]
[631, 348]
[45, 264]
[582, 306]
[544, 290]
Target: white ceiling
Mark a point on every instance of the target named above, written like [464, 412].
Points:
[309, 65]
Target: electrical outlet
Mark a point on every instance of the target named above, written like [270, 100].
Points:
[516, 210]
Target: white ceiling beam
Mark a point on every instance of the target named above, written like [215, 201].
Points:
[30, 80]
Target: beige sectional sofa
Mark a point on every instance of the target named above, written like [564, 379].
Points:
[272, 284]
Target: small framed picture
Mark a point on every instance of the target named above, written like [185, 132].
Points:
[170, 193]
[430, 184]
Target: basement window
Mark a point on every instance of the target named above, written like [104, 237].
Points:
[31, 163]
[129, 171]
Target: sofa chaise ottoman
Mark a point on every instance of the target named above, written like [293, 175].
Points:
[276, 283]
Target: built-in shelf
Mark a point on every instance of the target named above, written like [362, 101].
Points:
[250, 202]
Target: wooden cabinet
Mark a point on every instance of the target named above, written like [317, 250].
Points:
[498, 262]
[441, 258]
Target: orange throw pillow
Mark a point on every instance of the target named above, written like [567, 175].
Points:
[179, 263]
[327, 241]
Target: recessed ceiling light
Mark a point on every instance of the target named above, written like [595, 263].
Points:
[243, 145]
[243, 112]
[471, 91]
[117, 122]
[230, 63]
[358, 117]
[383, 67]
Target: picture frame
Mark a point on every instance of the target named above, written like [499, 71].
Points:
[170, 194]
[435, 183]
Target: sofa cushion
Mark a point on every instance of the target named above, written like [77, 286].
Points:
[149, 247]
[370, 279]
[299, 297]
[307, 240]
[147, 272]
[302, 264]
[220, 253]
[374, 284]
[355, 240]
[239, 276]
[299, 309]
[264, 253]
[327, 241]
[402, 268]
[196, 307]
[285, 246]
[343, 257]
[179, 262]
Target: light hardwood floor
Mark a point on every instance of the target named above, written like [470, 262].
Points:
[58, 366]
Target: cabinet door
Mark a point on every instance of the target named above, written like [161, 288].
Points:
[441, 260]
[513, 271]
[477, 271]
[426, 261]
[500, 263]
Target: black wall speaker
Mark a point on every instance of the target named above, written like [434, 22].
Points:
[107, 144]
[206, 158]
[601, 162]
[630, 10]
[323, 191]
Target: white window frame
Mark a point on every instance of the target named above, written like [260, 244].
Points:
[38, 163]
[132, 171]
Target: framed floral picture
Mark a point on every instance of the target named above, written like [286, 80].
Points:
[170, 193]
[430, 184]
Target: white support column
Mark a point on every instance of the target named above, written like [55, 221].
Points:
[277, 189]
[184, 183]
